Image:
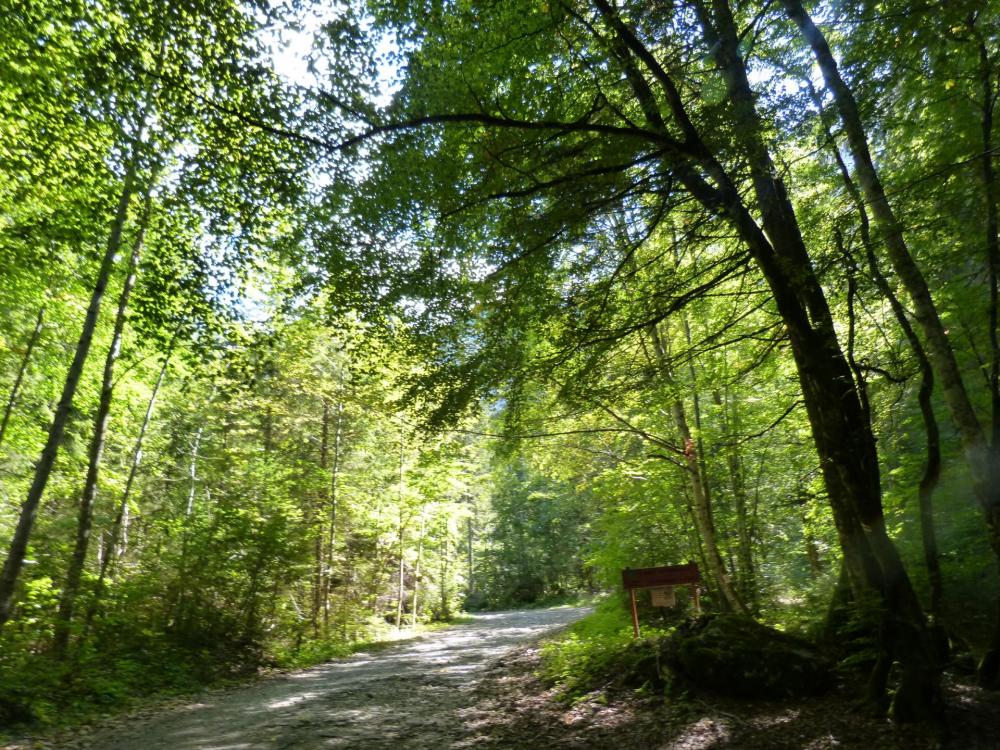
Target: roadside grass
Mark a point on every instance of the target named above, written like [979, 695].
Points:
[595, 652]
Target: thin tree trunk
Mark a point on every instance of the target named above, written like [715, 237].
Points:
[702, 505]
[402, 531]
[737, 484]
[699, 442]
[16, 388]
[989, 86]
[189, 515]
[843, 437]
[989, 668]
[193, 471]
[67, 601]
[331, 544]
[416, 573]
[445, 573]
[119, 533]
[470, 532]
[117, 545]
[316, 525]
[43, 468]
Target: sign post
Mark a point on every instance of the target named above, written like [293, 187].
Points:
[658, 578]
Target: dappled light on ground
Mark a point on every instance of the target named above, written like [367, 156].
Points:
[409, 695]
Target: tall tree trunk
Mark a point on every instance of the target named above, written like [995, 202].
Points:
[989, 90]
[331, 542]
[942, 356]
[117, 544]
[939, 348]
[16, 388]
[119, 532]
[470, 539]
[702, 504]
[932, 463]
[401, 541]
[843, 437]
[71, 588]
[43, 468]
[699, 442]
[989, 667]
[317, 526]
[415, 615]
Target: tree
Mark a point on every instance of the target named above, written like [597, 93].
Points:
[608, 120]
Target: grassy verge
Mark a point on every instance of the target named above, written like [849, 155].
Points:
[597, 651]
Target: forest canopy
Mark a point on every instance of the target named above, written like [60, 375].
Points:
[481, 304]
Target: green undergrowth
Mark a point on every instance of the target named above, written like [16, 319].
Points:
[597, 651]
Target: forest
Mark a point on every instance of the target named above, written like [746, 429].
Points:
[326, 322]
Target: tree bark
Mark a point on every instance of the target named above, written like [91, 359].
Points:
[16, 388]
[71, 588]
[989, 667]
[43, 468]
[939, 349]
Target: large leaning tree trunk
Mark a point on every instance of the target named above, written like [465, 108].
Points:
[939, 349]
[43, 468]
[841, 431]
[932, 463]
[85, 520]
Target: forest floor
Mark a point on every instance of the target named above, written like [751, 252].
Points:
[515, 709]
[474, 686]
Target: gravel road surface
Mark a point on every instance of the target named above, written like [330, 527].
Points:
[410, 696]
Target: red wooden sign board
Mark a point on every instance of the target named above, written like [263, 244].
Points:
[666, 575]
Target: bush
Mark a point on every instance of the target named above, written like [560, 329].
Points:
[600, 651]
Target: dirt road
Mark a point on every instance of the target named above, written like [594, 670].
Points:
[408, 697]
